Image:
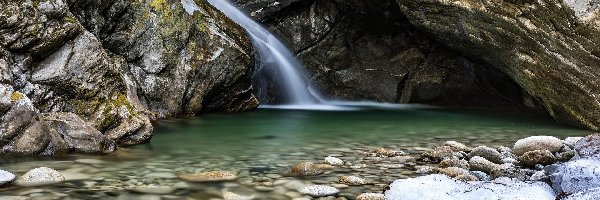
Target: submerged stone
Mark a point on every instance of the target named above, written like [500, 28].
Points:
[213, 176]
[306, 169]
[319, 190]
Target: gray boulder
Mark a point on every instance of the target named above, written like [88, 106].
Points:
[588, 147]
[575, 176]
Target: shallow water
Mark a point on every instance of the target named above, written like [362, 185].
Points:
[260, 146]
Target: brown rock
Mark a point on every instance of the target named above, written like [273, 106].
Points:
[532, 158]
[305, 169]
[454, 163]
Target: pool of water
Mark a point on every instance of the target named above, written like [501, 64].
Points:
[261, 146]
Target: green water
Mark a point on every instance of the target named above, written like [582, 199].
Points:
[265, 129]
[265, 143]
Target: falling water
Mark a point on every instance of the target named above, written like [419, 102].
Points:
[275, 57]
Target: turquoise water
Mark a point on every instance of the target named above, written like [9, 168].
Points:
[261, 146]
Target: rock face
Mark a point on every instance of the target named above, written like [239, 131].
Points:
[347, 44]
[502, 54]
[548, 47]
[442, 187]
[88, 76]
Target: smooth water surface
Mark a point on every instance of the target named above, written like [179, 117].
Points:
[261, 146]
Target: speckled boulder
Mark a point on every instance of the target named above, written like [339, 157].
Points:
[40, 176]
[533, 143]
[305, 169]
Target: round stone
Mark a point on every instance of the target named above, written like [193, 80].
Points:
[40, 176]
[370, 196]
[319, 190]
[487, 153]
[153, 189]
[334, 161]
[533, 143]
[305, 169]
[352, 180]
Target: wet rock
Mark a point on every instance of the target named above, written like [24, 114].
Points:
[457, 145]
[487, 153]
[213, 176]
[6, 177]
[591, 194]
[383, 152]
[466, 177]
[441, 153]
[148, 189]
[533, 143]
[234, 196]
[454, 163]
[565, 156]
[506, 152]
[40, 176]
[333, 160]
[442, 187]
[531, 158]
[482, 176]
[352, 180]
[510, 171]
[425, 169]
[571, 141]
[305, 169]
[481, 164]
[454, 171]
[319, 190]
[370, 196]
[575, 176]
[588, 147]
[538, 176]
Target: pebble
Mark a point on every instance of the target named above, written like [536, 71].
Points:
[481, 164]
[531, 158]
[454, 163]
[334, 161]
[231, 195]
[352, 180]
[305, 169]
[213, 176]
[459, 146]
[488, 153]
[153, 189]
[319, 190]
[370, 196]
[453, 171]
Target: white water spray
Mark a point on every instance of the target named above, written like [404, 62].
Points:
[272, 51]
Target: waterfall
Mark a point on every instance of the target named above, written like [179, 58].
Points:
[275, 58]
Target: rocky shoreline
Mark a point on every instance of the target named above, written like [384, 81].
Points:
[538, 167]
